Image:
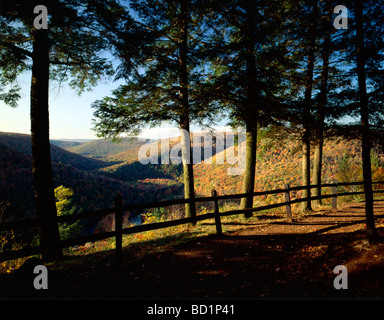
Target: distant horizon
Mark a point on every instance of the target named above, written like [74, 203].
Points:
[70, 115]
[157, 133]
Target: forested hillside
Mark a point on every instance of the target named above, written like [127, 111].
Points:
[22, 143]
[92, 189]
[279, 162]
[103, 148]
[65, 144]
[95, 183]
[300, 81]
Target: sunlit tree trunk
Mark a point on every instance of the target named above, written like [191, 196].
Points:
[250, 167]
[365, 134]
[306, 144]
[318, 152]
[251, 109]
[189, 190]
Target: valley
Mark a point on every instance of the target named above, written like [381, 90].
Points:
[96, 171]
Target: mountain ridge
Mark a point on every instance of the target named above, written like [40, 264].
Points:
[93, 189]
[278, 162]
[22, 143]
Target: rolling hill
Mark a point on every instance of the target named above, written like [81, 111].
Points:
[65, 144]
[93, 189]
[22, 143]
[112, 168]
[278, 162]
[106, 149]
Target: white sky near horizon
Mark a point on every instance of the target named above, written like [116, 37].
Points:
[71, 115]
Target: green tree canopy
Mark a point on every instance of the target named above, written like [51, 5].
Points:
[166, 76]
[69, 47]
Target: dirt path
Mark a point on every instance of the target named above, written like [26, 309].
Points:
[275, 260]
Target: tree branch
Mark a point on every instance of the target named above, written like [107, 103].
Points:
[16, 49]
[154, 30]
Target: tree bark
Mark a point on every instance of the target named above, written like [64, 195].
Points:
[317, 166]
[250, 112]
[189, 189]
[372, 234]
[250, 168]
[318, 153]
[306, 170]
[41, 154]
[306, 143]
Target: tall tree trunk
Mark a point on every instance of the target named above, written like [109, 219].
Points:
[189, 189]
[41, 154]
[306, 170]
[250, 113]
[318, 154]
[372, 234]
[306, 139]
[250, 168]
[317, 166]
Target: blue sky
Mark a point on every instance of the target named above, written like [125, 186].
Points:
[70, 114]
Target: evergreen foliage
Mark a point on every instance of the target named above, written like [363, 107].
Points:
[267, 66]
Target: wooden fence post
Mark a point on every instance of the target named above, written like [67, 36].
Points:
[118, 230]
[334, 195]
[287, 198]
[217, 213]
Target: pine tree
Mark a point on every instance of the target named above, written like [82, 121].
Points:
[165, 79]
[362, 47]
[68, 47]
[320, 113]
[365, 128]
[248, 59]
[309, 34]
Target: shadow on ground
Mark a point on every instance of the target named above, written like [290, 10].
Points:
[271, 261]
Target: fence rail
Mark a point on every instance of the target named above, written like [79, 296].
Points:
[119, 208]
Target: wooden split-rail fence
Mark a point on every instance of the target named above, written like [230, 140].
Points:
[118, 209]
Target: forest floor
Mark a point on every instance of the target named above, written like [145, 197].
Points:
[250, 261]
